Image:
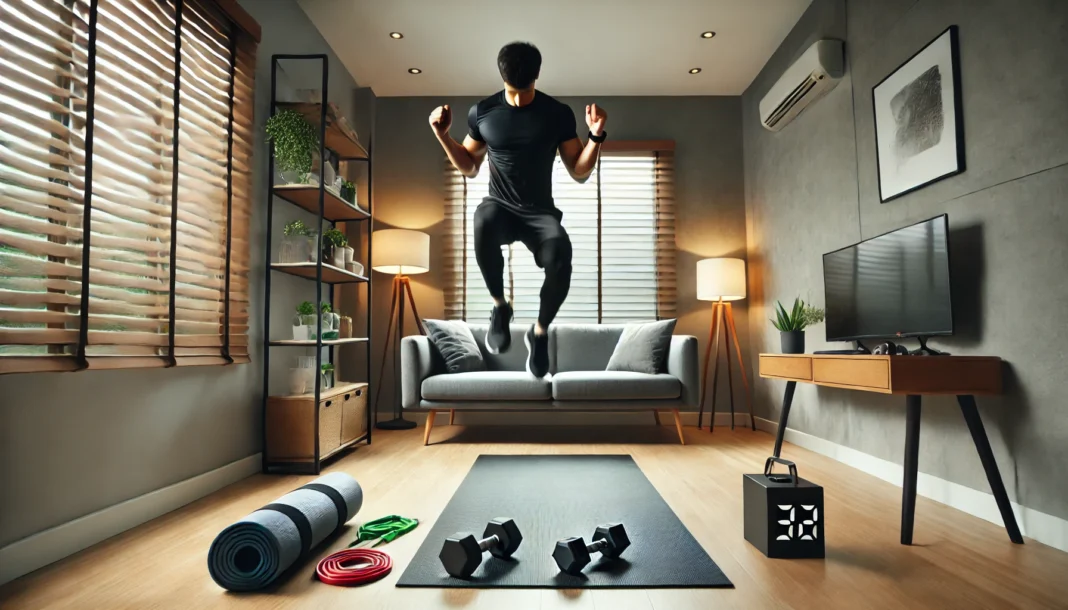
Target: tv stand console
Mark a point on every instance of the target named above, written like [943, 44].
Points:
[961, 376]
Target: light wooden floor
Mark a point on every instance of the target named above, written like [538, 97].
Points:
[959, 561]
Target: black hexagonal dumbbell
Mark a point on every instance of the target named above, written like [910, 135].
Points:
[462, 553]
[573, 554]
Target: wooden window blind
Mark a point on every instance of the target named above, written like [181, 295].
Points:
[622, 227]
[125, 166]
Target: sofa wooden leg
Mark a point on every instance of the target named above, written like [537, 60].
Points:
[678, 426]
[452, 416]
[429, 426]
[656, 416]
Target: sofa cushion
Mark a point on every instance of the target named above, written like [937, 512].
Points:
[456, 344]
[614, 385]
[642, 348]
[581, 347]
[486, 385]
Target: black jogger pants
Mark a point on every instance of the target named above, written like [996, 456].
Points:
[497, 225]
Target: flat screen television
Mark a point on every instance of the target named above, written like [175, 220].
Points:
[893, 285]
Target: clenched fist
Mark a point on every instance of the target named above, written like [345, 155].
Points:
[595, 118]
[441, 120]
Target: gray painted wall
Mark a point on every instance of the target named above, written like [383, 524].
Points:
[812, 188]
[74, 443]
[710, 208]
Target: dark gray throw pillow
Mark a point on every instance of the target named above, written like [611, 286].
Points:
[453, 339]
[643, 347]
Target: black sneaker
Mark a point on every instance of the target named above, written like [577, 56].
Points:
[499, 337]
[537, 353]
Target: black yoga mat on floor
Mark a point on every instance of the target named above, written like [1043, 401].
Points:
[559, 496]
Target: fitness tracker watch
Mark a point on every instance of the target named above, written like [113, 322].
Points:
[600, 138]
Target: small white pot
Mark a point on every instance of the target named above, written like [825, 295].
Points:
[300, 333]
[349, 251]
[338, 256]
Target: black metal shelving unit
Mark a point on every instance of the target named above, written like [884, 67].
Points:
[328, 211]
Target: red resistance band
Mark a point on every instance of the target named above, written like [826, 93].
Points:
[352, 567]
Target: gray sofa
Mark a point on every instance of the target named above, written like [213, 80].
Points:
[578, 355]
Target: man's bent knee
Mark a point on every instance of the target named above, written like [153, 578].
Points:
[555, 254]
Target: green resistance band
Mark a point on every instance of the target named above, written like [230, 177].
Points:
[383, 530]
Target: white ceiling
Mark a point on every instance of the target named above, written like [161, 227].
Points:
[589, 47]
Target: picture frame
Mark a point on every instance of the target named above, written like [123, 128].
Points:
[919, 121]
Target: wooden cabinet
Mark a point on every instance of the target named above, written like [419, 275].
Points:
[354, 414]
[294, 423]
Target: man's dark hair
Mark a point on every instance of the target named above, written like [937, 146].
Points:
[519, 63]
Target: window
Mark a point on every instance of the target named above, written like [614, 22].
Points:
[125, 160]
[622, 228]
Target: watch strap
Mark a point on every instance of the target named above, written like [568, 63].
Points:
[599, 139]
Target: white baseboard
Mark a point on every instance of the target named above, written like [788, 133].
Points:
[40, 549]
[1040, 526]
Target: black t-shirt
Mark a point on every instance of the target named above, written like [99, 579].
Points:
[522, 143]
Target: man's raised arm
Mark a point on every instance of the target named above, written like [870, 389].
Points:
[578, 159]
[466, 157]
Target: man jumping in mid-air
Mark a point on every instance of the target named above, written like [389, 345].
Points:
[522, 129]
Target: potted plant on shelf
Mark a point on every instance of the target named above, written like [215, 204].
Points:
[304, 322]
[791, 324]
[348, 192]
[328, 376]
[294, 242]
[295, 144]
[338, 247]
[331, 321]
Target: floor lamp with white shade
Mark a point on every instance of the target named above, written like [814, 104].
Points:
[400, 252]
[722, 280]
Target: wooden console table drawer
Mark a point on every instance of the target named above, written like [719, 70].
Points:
[852, 372]
[786, 367]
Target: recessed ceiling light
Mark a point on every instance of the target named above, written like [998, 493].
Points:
[695, 70]
[414, 71]
[396, 35]
[708, 34]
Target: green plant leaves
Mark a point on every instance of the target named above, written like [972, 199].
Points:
[296, 227]
[335, 238]
[294, 141]
[800, 316]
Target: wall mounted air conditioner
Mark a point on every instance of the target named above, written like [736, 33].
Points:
[815, 73]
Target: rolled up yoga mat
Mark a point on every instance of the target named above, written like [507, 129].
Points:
[251, 553]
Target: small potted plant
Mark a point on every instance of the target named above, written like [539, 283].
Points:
[331, 321]
[294, 242]
[337, 247]
[328, 376]
[295, 144]
[791, 324]
[348, 192]
[304, 322]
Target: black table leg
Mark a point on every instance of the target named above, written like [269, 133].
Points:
[912, 454]
[993, 475]
[787, 399]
